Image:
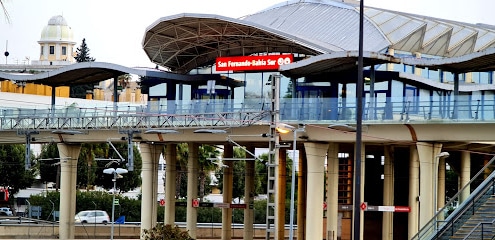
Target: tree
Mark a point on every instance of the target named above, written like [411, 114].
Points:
[49, 163]
[12, 171]
[181, 168]
[130, 180]
[239, 170]
[161, 231]
[123, 80]
[89, 171]
[82, 55]
[205, 167]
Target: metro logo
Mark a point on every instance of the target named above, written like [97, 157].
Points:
[250, 63]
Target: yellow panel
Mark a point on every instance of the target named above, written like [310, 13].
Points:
[47, 91]
[6, 86]
[62, 92]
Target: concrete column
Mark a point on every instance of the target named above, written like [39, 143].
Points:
[390, 66]
[301, 195]
[316, 155]
[281, 196]
[170, 176]
[465, 175]
[192, 188]
[388, 193]
[332, 191]
[158, 149]
[417, 70]
[228, 184]
[468, 77]
[249, 198]
[412, 227]
[68, 165]
[427, 153]
[150, 154]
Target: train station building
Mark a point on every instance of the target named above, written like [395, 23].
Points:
[428, 107]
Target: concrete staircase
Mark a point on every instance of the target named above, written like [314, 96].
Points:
[481, 223]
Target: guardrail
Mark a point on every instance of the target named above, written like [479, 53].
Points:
[231, 113]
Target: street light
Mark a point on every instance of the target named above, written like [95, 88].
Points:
[116, 174]
[285, 128]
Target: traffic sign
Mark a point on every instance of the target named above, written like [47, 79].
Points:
[237, 205]
[222, 205]
[205, 204]
[324, 205]
[162, 202]
[364, 206]
[402, 209]
[181, 204]
[195, 203]
[345, 207]
[116, 202]
[386, 208]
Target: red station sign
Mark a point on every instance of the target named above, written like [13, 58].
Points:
[251, 63]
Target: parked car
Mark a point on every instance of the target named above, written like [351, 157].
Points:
[5, 211]
[92, 216]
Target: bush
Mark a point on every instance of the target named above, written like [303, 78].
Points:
[162, 231]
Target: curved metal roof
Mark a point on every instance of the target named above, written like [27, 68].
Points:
[340, 61]
[185, 41]
[334, 62]
[92, 72]
[474, 62]
[330, 22]
[311, 27]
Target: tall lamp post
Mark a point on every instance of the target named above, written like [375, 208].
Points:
[285, 128]
[116, 174]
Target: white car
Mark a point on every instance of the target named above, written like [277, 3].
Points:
[92, 216]
[5, 211]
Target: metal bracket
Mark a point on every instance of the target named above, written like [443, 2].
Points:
[130, 148]
[28, 133]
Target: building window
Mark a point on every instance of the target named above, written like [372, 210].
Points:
[52, 49]
[64, 50]
[41, 50]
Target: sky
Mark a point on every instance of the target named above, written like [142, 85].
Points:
[114, 29]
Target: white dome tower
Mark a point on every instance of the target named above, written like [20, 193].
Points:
[57, 43]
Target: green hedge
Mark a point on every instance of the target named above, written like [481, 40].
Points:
[131, 208]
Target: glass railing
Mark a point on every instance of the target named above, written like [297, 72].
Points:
[387, 110]
[446, 220]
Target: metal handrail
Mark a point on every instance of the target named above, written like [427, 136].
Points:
[431, 230]
[482, 231]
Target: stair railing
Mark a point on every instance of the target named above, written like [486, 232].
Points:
[436, 227]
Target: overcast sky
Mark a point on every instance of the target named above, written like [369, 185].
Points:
[114, 28]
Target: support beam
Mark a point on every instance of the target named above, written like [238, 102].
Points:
[68, 155]
[170, 187]
[301, 195]
[249, 198]
[228, 187]
[150, 154]
[413, 217]
[388, 193]
[465, 175]
[332, 191]
[192, 188]
[427, 153]
[316, 155]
